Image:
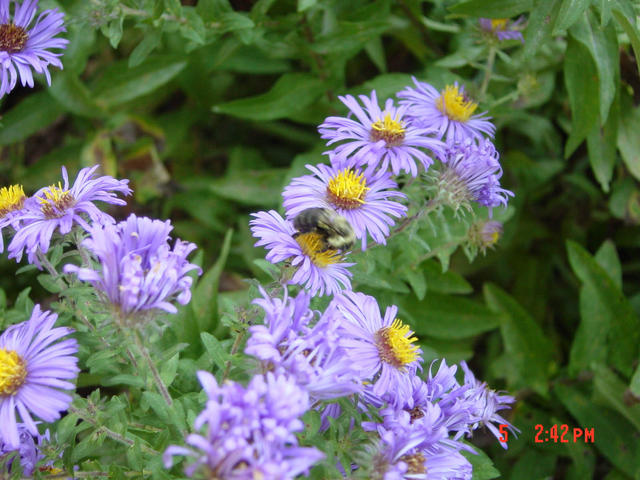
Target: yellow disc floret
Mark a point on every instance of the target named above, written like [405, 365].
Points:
[395, 344]
[13, 371]
[312, 245]
[56, 201]
[499, 24]
[455, 105]
[11, 198]
[388, 129]
[347, 189]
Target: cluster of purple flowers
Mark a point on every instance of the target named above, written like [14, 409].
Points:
[136, 271]
[436, 132]
[249, 432]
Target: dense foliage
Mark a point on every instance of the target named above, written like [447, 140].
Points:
[210, 108]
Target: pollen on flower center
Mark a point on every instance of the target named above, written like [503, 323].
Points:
[13, 372]
[455, 104]
[499, 24]
[347, 190]
[11, 198]
[13, 38]
[415, 463]
[312, 245]
[394, 346]
[390, 130]
[415, 413]
[56, 201]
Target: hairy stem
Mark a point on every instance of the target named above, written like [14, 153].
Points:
[487, 73]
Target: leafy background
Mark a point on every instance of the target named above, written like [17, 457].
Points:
[211, 107]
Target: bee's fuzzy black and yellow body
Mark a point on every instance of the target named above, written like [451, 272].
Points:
[336, 232]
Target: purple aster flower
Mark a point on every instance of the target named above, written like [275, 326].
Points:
[380, 347]
[502, 28]
[27, 450]
[485, 403]
[362, 197]
[249, 432]
[471, 173]
[33, 371]
[60, 208]
[380, 135]
[12, 201]
[320, 271]
[310, 355]
[139, 270]
[449, 113]
[24, 47]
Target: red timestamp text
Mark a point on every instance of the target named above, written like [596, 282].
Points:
[563, 434]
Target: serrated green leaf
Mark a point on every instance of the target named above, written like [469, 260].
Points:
[569, 13]
[527, 348]
[606, 307]
[447, 316]
[291, 93]
[581, 80]
[614, 437]
[122, 84]
[602, 44]
[416, 280]
[492, 8]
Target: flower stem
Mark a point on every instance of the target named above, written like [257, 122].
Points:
[487, 73]
[154, 370]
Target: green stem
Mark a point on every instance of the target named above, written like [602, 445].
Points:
[154, 370]
[487, 73]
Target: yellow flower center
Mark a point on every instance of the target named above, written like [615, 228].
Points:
[11, 198]
[415, 463]
[455, 105]
[347, 189]
[56, 201]
[312, 246]
[395, 344]
[499, 24]
[13, 372]
[13, 38]
[390, 130]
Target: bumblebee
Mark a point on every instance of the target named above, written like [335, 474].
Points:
[335, 231]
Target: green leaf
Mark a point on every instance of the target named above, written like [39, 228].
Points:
[614, 437]
[628, 139]
[69, 91]
[416, 280]
[601, 145]
[122, 84]
[492, 8]
[483, 468]
[306, 5]
[634, 386]
[527, 347]
[205, 297]
[581, 79]
[622, 18]
[607, 258]
[539, 26]
[612, 391]
[215, 350]
[602, 44]
[604, 307]
[447, 316]
[568, 14]
[291, 93]
[32, 114]
[149, 43]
